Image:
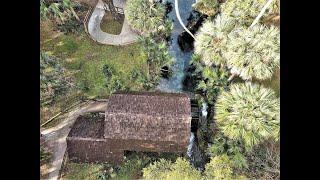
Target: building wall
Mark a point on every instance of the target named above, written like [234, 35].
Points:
[112, 151]
[92, 150]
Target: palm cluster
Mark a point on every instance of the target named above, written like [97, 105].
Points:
[157, 56]
[244, 11]
[253, 52]
[249, 113]
[211, 40]
[249, 53]
[145, 16]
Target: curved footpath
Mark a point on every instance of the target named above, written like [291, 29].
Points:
[55, 137]
[127, 36]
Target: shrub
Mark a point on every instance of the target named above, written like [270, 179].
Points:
[107, 71]
[208, 7]
[116, 84]
[254, 52]
[53, 80]
[71, 25]
[130, 168]
[145, 15]
[214, 80]
[59, 10]
[234, 149]
[157, 170]
[157, 56]
[165, 170]
[248, 113]
[221, 167]
[182, 169]
[139, 76]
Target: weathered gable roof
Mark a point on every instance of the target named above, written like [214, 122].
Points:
[148, 116]
[150, 103]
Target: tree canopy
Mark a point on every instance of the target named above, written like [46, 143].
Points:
[145, 16]
[208, 7]
[221, 167]
[245, 11]
[253, 52]
[249, 113]
[211, 40]
[248, 52]
[165, 170]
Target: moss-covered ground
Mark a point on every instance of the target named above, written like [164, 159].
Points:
[84, 59]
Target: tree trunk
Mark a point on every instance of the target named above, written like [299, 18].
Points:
[75, 14]
[231, 77]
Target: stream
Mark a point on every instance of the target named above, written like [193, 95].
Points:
[179, 67]
[180, 59]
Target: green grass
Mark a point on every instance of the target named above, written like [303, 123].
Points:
[83, 171]
[86, 58]
[109, 25]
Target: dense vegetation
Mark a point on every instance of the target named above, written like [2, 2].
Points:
[145, 16]
[249, 53]
[244, 11]
[248, 113]
[74, 67]
[54, 81]
[148, 18]
[236, 70]
[233, 67]
[208, 7]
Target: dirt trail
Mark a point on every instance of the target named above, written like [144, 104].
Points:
[55, 137]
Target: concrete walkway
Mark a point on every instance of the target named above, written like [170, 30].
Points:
[127, 36]
[55, 137]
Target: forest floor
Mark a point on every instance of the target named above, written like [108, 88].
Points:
[55, 137]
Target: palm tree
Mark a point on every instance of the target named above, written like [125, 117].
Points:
[59, 9]
[145, 16]
[157, 55]
[253, 52]
[211, 40]
[214, 80]
[208, 7]
[244, 11]
[248, 113]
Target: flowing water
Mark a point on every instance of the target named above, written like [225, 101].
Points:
[180, 59]
[180, 64]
